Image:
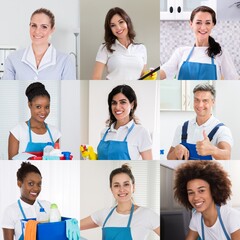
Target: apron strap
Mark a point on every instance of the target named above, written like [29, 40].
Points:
[202, 227]
[130, 217]
[222, 224]
[49, 133]
[129, 220]
[29, 131]
[129, 130]
[190, 54]
[21, 209]
[184, 132]
[214, 130]
[212, 59]
[108, 216]
[105, 134]
[30, 134]
[41, 207]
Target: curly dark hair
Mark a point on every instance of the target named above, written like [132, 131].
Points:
[109, 37]
[26, 167]
[211, 172]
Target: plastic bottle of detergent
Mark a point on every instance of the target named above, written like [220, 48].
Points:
[55, 215]
[48, 149]
[56, 151]
[42, 216]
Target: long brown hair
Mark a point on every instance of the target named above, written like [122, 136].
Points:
[109, 37]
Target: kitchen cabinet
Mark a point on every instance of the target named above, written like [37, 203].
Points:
[181, 9]
[177, 95]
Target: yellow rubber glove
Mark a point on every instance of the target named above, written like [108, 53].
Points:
[150, 77]
[92, 154]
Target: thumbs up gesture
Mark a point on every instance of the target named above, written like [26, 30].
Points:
[204, 147]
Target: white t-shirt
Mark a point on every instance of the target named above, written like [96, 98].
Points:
[144, 220]
[195, 132]
[123, 63]
[224, 64]
[139, 139]
[231, 221]
[20, 132]
[13, 215]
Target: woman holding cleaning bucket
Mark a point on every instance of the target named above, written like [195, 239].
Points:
[124, 138]
[204, 188]
[34, 134]
[206, 60]
[120, 54]
[29, 180]
[126, 220]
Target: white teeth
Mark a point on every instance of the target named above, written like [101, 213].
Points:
[118, 112]
[122, 195]
[198, 204]
[33, 193]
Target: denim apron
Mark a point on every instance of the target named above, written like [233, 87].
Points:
[197, 71]
[221, 222]
[193, 155]
[117, 233]
[36, 147]
[24, 216]
[114, 150]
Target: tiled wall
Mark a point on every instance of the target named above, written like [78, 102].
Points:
[174, 34]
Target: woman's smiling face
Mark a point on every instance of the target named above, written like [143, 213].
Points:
[199, 195]
[202, 25]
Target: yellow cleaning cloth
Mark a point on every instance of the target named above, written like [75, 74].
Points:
[31, 230]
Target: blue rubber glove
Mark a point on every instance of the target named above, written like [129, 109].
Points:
[72, 229]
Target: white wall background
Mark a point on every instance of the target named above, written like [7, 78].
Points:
[147, 110]
[227, 97]
[71, 117]
[96, 193]
[232, 167]
[226, 109]
[64, 114]
[60, 185]
[145, 18]
[15, 19]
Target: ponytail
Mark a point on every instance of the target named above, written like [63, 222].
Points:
[214, 47]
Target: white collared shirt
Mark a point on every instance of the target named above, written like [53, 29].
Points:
[138, 140]
[195, 132]
[21, 65]
[123, 63]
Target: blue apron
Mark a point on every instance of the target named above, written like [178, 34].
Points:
[221, 222]
[24, 216]
[36, 147]
[117, 233]
[114, 150]
[197, 71]
[193, 155]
